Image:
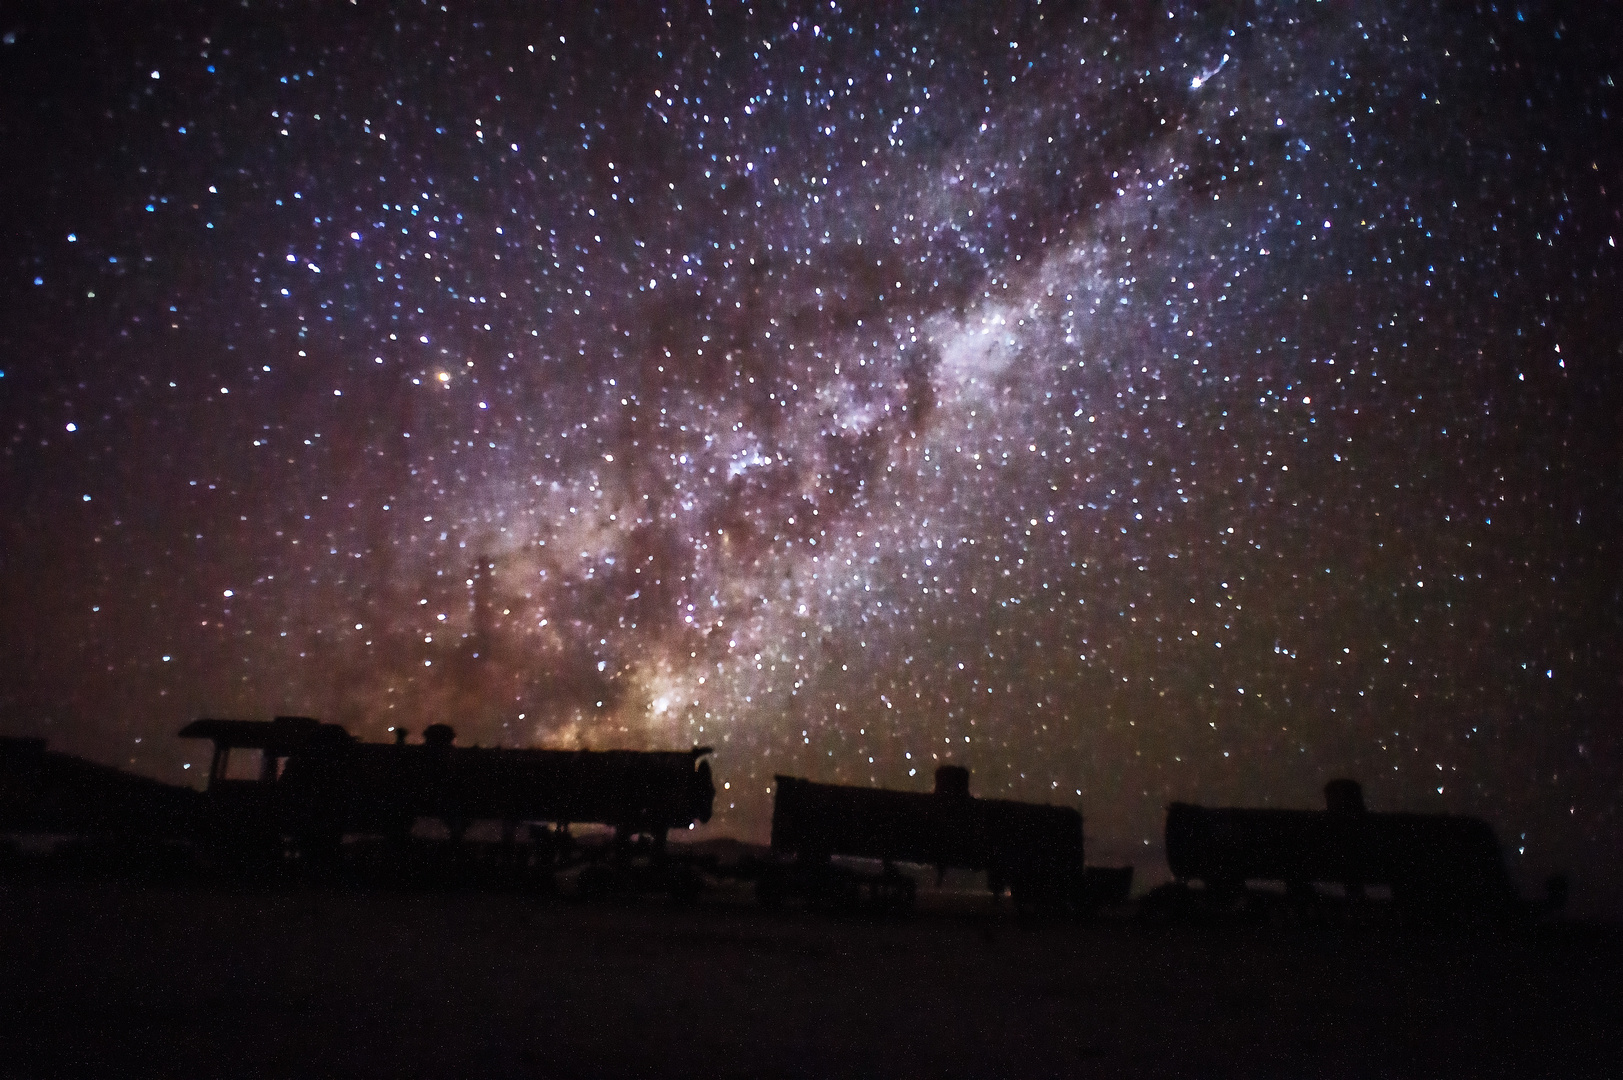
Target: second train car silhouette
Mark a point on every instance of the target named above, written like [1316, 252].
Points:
[1033, 850]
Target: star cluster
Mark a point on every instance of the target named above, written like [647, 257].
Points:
[1131, 403]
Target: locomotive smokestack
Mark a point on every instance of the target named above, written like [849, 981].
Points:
[952, 781]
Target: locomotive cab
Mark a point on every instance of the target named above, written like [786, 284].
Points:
[275, 740]
[247, 809]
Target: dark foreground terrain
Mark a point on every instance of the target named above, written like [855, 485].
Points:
[121, 980]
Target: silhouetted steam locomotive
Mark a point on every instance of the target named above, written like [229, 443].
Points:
[315, 783]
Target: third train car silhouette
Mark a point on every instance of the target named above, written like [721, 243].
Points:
[1434, 863]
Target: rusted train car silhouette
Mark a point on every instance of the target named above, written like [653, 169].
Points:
[314, 783]
[1439, 864]
[1036, 851]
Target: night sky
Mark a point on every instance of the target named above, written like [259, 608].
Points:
[1135, 404]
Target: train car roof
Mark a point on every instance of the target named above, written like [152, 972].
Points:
[285, 733]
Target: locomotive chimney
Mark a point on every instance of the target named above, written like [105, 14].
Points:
[952, 781]
[1344, 797]
[400, 734]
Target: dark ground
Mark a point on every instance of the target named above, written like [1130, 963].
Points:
[121, 980]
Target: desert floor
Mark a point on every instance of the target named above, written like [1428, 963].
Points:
[106, 979]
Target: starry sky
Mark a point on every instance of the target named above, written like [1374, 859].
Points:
[1130, 402]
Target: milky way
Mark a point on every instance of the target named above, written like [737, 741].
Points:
[1132, 405]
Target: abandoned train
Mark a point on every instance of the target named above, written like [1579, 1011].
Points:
[315, 782]
[309, 785]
